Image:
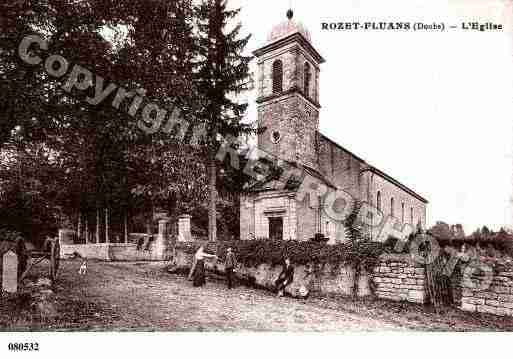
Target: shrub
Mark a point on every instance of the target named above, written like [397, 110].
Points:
[11, 236]
[273, 252]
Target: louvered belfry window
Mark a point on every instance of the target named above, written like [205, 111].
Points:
[307, 78]
[277, 76]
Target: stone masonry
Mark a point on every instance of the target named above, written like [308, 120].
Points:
[399, 278]
[497, 296]
[395, 277]
[289, 116]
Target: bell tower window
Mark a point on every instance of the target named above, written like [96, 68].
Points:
[277, 77]
[307, 79]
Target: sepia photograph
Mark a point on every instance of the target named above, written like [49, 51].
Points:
[237, 166]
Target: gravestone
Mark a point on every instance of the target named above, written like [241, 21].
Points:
[184, 228]
[10, 272]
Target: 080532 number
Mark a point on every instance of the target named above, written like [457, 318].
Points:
[23, 347]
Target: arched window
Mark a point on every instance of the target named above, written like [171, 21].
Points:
[392, 207]
[378, 201]
[277, 76]
[402, 212]
[307, 78]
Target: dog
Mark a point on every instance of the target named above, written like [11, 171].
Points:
[83, 268]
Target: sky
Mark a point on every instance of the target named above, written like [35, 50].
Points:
[432, 109]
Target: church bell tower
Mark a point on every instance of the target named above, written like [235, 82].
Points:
[288, 94]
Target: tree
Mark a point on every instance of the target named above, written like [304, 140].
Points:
[34, 104]
[223, 71]
[353, 225]
[485, 232]
[441, 230]
[457, 231]
[102, 155]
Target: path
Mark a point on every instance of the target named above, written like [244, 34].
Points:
[144, 297]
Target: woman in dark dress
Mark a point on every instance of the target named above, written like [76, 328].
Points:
[199, 268]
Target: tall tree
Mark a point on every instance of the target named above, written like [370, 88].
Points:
[223, 73]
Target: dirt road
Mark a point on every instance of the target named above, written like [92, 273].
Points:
[142, 296]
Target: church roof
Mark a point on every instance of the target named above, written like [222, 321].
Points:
[395, 182]
[272, 183]
[369, 168]
[287, 32]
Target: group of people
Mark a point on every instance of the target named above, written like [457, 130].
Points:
[230, 264]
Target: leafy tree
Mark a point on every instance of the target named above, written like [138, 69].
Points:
[97, 146]
[441, 230]
[222, 72]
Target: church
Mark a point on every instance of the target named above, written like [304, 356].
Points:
[288, 111]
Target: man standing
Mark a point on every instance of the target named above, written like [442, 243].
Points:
[229, 264]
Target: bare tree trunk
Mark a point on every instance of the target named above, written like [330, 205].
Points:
[87, 229]
[79, 226]
[97, 225]
[148, 228]
[212, 194]
[107, 239]
[126, 227]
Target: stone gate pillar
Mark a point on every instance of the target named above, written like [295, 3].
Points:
[184, 228]
[162, 242]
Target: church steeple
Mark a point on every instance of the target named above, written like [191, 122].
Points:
[288, 93]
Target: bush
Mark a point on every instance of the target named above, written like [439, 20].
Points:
[273, 252]
[10, 236]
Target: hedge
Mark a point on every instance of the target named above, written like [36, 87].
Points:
[274, 252]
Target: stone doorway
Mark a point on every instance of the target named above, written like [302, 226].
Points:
[276, 228]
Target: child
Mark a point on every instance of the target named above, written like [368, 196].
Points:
[230, 263]
[83, 268]
[285, 278]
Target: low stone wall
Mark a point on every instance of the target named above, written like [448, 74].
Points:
[395, 277]
[129, 252]
[497, 296]
[398, 277]
[90, 251]
[114, 252]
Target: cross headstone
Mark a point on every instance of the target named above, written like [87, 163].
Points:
[10, 272]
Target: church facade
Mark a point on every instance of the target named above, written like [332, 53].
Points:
[288, 110]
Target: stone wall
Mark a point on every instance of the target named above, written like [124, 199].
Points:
[90, 251]
[497, 296]
[340, 166]
[114, 252]
[397, 277]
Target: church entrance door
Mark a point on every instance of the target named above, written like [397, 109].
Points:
[276, 228]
